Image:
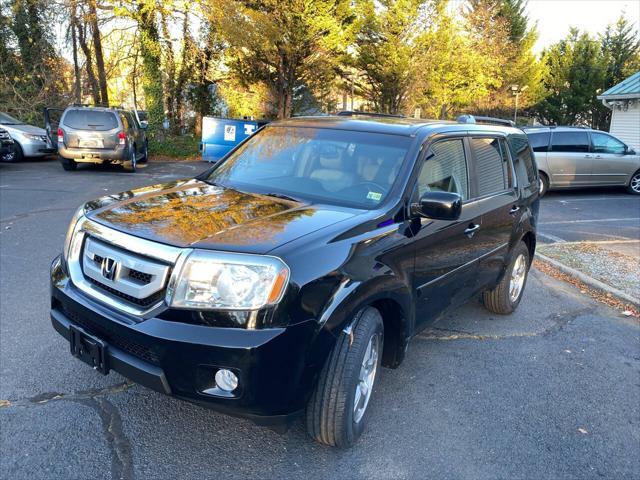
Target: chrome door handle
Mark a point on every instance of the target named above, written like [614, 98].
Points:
[471, 229]
[514, 209]
[588, 156]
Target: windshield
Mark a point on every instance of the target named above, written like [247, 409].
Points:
[9, 120]
[320, 165]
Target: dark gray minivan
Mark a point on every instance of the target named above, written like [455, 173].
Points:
[100, 135]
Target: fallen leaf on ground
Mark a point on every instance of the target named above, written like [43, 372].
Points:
[582, 430]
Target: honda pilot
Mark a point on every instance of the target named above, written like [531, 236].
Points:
[100, 135]
[278, 282]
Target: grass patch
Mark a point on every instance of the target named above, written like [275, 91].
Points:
[175, 148]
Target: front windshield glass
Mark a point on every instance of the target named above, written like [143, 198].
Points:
[9, 120]
[320, 165]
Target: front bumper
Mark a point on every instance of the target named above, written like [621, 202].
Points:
[181, 359]
[36, 149]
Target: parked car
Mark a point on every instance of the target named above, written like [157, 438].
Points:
[570, 157]
[7, 149]
[282, 278]
[100, 135]
[29, 140]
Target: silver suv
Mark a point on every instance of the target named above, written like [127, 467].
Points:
[100, 135]
[573, 157]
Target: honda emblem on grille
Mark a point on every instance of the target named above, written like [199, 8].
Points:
[108, 268]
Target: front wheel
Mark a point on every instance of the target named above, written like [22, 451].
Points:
[634, 184]
[544, 184]
[504, 299]
[145, 153]
[336, 413]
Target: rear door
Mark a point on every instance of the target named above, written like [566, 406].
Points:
[498, 203]
[570, 162]
[90, 129]
[612, 165]
[445, 251]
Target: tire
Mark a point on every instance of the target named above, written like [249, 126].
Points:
[68, 164]
[131, 164]
[332, 416]
[544, 184]
[10, 156]
[502, 299]
[145, 153]
[634, 184]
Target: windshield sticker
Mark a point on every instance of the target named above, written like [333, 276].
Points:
[375, 196]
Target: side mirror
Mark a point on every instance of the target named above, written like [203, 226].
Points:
[438, 206]
[144, 124]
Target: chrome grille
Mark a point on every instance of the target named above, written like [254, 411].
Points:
[131, 277]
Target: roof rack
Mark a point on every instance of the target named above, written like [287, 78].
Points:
[99, 105]
[556, 126]
[354, 113]
[485, 120]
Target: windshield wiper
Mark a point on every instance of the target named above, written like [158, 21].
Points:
[282, 197]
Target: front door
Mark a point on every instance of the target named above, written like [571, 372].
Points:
[444, 250]
[569, 159]
[612, 165]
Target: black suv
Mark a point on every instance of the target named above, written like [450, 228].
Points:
[278, 281]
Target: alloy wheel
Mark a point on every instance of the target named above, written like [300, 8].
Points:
[366, 377]
[518, 275]
[635, 183]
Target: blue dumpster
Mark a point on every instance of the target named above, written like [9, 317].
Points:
[220, 135]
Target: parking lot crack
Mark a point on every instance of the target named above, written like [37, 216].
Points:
[46, 397]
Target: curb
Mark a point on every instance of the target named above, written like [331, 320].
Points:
[590, 281]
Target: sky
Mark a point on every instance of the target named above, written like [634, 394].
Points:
[554, 17]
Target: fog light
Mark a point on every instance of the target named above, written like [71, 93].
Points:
[226, 380]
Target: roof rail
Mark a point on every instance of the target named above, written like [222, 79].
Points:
[99, 105]
[484, 120]
[354, 113]
[556, 126]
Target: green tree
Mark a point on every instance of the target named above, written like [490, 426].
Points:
[282, 44]
[386, 45]
[575, 73]
[620, 46]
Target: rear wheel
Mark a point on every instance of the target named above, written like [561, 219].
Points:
[504, 299]
[634, 184]
[336, 413]
[68, 164]
[544, 184]
[131, 164]
[10, 156]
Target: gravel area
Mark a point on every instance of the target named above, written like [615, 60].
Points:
[611, 267]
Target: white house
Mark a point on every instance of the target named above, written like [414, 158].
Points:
[624, 101]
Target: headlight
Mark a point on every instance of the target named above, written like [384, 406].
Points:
[227, 281]
[79, 213]
[37, 138]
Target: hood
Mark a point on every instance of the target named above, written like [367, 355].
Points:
[24, 129]
[193, 213]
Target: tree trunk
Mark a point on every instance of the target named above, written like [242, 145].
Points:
[93, 83]
[77, 93]
[151, 74]
[97, 47]
[169, 78]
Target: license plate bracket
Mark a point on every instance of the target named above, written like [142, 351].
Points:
[89, 349]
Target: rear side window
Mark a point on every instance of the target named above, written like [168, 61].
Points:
[90, 120]
[523, 162]
[491, 166]
[570, 142]
[445, 169]
[539, 141]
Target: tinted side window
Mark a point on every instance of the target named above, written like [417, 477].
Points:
[445, 169]
[603, 143]
[90, 120]
[491, 169]
[539, 141]
[570, 142]
[132, 120]
[522, 160]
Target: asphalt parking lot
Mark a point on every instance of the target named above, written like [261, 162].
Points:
[552, 391]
